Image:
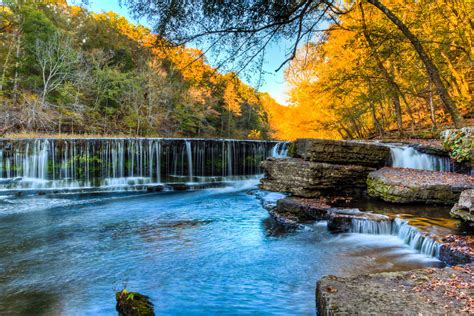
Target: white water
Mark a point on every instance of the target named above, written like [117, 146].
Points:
[91, 163]
[280, 150]
[400, 228]
[408, 157]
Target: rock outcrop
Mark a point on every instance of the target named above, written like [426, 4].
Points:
[343, 152]
[464, 208]
[313, 179]
[417, 186]
[445, 291]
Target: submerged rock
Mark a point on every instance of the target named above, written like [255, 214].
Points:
[431, 291]
[464, 208]
[343, 152]
[341, 220]
[401, 185]
[313, 179]
[133, 304]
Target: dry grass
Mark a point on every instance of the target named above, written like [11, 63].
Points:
[70, 136]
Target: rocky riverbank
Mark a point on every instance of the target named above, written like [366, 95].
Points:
[320, 172]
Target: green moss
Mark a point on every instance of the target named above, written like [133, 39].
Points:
[292, 152]
[133, 304]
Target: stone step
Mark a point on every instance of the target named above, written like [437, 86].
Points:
[343, 152]
[400, 185]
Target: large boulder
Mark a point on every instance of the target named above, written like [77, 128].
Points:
[431, 291]
[464, 208]
[401, 185]
[343, 152]
[313, 179]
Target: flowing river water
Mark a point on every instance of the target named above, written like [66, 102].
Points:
[213, 251]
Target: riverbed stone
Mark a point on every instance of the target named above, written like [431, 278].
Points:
[303, 209]
[313, 179]
[446, 291]
[340, 219]
[464, 208]
[400, 185]
[343, 152]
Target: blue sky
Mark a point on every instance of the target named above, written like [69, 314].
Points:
[274, 83]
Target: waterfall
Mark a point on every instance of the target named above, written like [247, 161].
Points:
[400, 228]
[189, 154]
[280, 150]
[409, 157]
[107, 162]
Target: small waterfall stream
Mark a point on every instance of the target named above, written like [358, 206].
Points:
[108, 162]
[401, 228]
[409, 157]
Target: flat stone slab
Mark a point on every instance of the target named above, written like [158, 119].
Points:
[343, 152]
[447, 291]
[303, 209]
[402, 185]
[464, 208]
[313, 179]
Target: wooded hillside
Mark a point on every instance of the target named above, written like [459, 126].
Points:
[67, 70]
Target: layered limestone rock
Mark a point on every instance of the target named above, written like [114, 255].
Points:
[445, 291]
[313, 179]
[343, 152]
[464, 208]
[411, 186]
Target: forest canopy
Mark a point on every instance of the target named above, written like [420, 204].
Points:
[65, 69]
[358, 68]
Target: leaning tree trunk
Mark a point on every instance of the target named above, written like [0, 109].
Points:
[431, 68]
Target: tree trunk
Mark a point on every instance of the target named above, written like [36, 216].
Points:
[431, 68]
[393, 88]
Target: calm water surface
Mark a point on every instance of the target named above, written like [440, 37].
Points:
[204, 252]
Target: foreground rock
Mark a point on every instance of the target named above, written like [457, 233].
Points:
[464, 208]
[133, 304]
[409, 185]
[313, 179]
[445, 291]
[343, 152]
[457, 249]
[344, 220]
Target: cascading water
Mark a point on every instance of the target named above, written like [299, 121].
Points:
[280, 150]
[401, 228]
[409, 157]
[89, 163]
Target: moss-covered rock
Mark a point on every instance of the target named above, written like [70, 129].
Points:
[401, 185]
[133, 304]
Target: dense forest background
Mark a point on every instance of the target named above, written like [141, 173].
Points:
[67, 70]
[365, 78]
